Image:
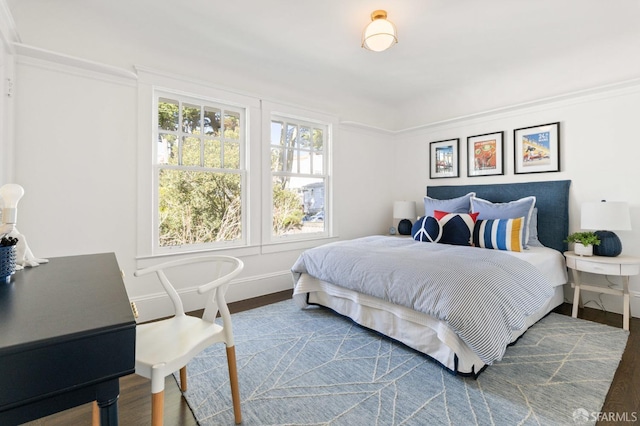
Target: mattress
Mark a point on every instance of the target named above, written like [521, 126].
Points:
[420, 331]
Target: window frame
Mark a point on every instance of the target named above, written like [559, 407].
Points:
[301, 117]
[157, 167]
[257, 187]
[152, 81]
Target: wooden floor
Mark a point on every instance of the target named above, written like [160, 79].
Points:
[135, 397]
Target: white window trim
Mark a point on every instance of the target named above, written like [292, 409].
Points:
[160, 93]
[270, 242]
[149, 84]
[258, 186]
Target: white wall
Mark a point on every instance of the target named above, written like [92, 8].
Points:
[76, 142]
[75, 149]
[600, 154]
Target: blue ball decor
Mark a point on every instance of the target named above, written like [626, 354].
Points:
[610, 245]
[404, 227]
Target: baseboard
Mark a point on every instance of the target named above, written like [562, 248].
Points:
[158, 305]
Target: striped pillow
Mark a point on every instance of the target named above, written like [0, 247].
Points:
[499, 234]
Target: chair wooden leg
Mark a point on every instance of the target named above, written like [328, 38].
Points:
[233, 380]
[183, 379]
[95, 414]
[157, 408]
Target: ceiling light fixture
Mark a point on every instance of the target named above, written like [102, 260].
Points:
[380, 34]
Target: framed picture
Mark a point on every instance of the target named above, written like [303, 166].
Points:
[443, 159]
[537, 149]
[485, 154]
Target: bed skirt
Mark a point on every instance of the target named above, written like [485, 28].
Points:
[417, 330]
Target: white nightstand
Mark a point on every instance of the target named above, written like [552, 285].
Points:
[622, 266]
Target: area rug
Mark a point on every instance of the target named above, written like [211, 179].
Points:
[314, 367]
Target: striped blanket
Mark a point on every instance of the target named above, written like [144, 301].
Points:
[481, 294]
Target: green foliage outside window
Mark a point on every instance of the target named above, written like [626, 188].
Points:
[200, 175]
[197, 205]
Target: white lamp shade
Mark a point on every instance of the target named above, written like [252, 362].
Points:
[605, 216]
[380, 34]
[404, 210]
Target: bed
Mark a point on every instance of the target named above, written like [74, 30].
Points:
[380, 281]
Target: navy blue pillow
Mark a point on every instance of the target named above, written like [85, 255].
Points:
[457, 228]
[427, 229]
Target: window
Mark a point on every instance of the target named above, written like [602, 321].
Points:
[199, 175]
[299, 178]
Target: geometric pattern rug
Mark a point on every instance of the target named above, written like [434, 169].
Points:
[315, 367]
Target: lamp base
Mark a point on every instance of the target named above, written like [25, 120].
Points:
[404, 227]
[610, 245]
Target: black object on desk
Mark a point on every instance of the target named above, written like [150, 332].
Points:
[67, 334]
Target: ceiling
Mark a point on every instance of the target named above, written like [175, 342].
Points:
[453, 58]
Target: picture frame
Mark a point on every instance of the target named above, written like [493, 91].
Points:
[444, 159]
[536, 149]
[485, 154]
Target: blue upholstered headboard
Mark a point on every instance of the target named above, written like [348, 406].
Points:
[552, 201]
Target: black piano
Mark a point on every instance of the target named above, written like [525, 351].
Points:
[67, 334]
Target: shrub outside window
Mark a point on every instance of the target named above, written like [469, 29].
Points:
[199, 173]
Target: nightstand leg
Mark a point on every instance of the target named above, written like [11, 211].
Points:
[576, 293]
[625, 315]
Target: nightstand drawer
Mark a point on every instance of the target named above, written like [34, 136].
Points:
[597, 268]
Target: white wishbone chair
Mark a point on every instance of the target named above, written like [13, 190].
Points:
[166, 346]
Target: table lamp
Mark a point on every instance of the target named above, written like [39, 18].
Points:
[604, 217]
[10, 194]
[404, 210]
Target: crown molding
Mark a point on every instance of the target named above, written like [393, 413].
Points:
[25, 51]
[570, 98]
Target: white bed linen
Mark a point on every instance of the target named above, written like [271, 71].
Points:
[421, 331]
[549, 261]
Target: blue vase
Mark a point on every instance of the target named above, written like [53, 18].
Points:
[610, 245]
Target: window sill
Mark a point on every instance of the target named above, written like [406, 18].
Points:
[275, 247]
[229, 251]
[281, 246]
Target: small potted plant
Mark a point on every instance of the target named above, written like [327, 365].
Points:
[584, 242]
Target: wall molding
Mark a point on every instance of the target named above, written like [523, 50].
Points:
[157, 305]
[47, 59]
[542, 104]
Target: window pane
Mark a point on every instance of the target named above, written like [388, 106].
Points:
[277, 135]
[211, 121]
[318, 140]
[292, 135]
[198, 207]
[231, 155]
[305, 162]
[277, 160]
[318, 163]
[167, 114]
[167, 149]
[191, 119]
[212, 153]
[305, 138]
[298, 205]
[290, 161]
[318, 152]
[190, 151]
[231, 125]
